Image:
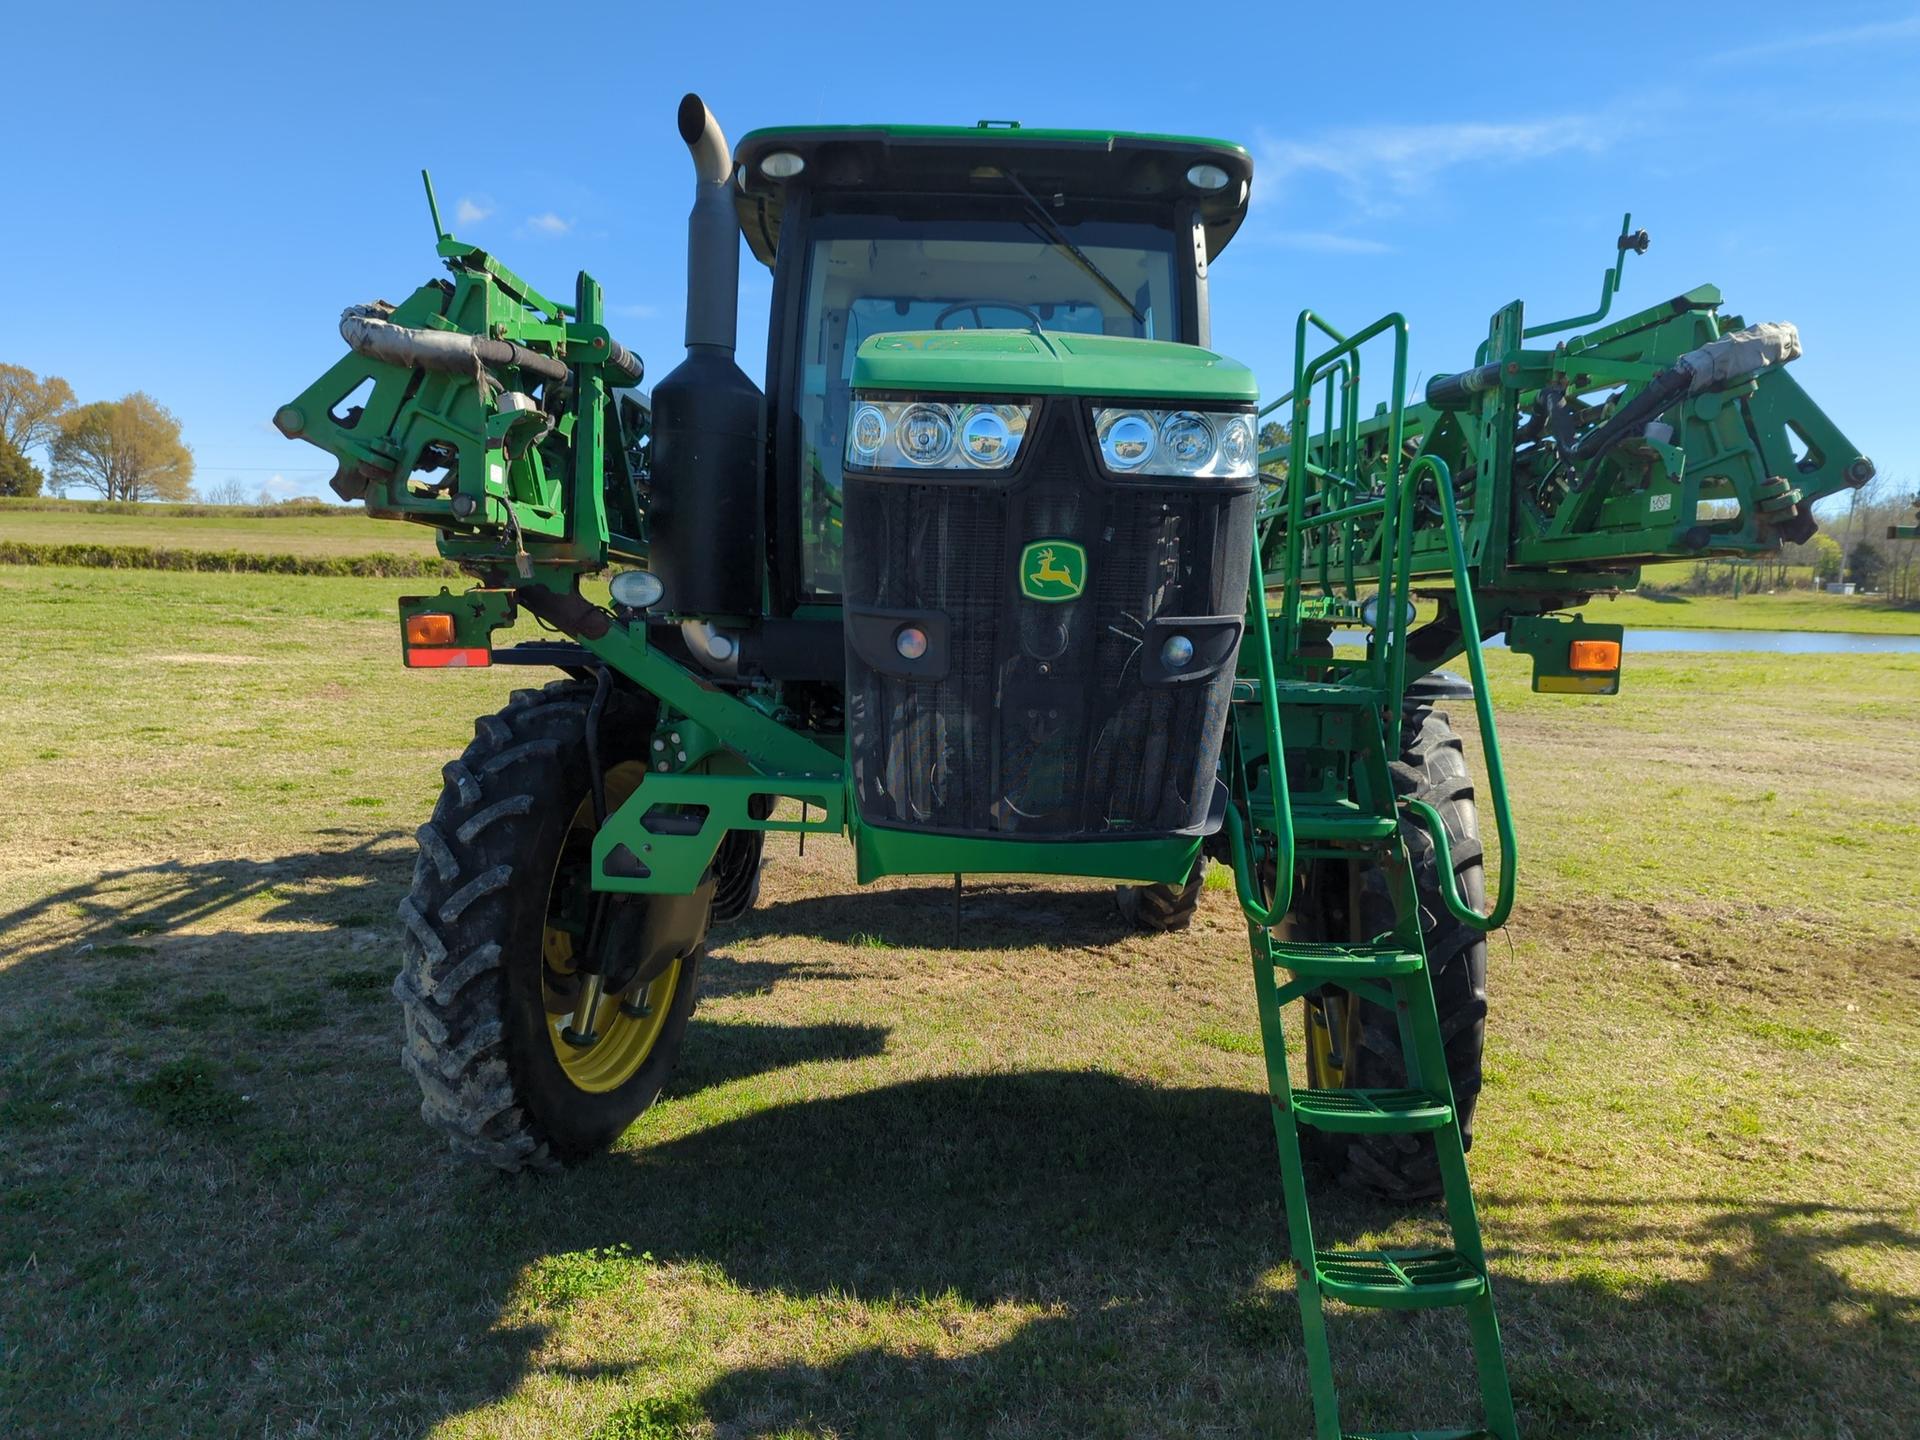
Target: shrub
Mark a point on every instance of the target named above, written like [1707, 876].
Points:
[233, 562]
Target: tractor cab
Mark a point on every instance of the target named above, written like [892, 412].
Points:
[1005, 498]
[873, 231]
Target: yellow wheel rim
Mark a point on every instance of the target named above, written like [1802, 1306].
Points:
[626, 1039]
[628, 1025]
[1322, 1072]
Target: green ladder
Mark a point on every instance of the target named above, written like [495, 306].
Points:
[1266, 830]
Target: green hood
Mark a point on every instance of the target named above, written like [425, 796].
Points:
[1034, 362]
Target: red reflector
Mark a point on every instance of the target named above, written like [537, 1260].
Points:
[447, 657]
[1591, 655]
[429, 630]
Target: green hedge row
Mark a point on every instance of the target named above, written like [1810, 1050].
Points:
[173, 509]
[235, 562]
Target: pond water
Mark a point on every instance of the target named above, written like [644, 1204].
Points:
[1782, 642]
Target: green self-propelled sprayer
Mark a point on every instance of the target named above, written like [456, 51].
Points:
[1007, 571]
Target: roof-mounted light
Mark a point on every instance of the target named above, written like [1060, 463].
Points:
[782, 165]
[1207, 177]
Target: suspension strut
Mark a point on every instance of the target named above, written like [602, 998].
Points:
[580, 1032]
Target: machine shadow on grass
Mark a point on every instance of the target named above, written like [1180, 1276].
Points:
[1144, 1224]
[353, 884]
[993, 915]
[1137, 1228]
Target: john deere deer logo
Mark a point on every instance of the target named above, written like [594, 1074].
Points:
[1053, 570]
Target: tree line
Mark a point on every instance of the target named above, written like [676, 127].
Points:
[125, 449]
[1873, 559]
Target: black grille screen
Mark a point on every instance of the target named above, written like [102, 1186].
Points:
[1045, 723]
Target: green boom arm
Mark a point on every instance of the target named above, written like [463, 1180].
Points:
[498, 416]
[1674, 433]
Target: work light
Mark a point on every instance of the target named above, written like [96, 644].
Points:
[636, 589]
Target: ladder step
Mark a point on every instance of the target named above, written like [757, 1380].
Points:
[1424, 1435]
[1357, 961]
[1371, 1112]
[1311, 692]
[1398, 1279]
[1342, 821]
[1325, 692]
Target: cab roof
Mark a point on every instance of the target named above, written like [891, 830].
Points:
[1084, 165]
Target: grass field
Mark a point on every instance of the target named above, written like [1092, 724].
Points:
[354, 534]
[1023, 1185]
[1787, 610]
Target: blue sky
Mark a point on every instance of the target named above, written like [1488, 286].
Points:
[211, 184]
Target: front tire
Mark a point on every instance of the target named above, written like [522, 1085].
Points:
[499, 896]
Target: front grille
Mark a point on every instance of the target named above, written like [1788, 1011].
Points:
[1044, 724]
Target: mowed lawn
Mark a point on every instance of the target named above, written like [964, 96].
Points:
[1772, 610]
[303, 535]
[1022, 1184]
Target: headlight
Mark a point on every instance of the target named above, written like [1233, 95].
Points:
[934, 435]
[1126, 437]
[924, 434]
[1177, 442]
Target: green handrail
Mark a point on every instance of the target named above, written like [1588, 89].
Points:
[1483, 707]
[1245, 879]
[1394, 532]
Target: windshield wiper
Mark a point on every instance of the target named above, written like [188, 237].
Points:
[1058, 235]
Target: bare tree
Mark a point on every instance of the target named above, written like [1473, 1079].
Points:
[30, 408]
[228, 492]
[126, 449]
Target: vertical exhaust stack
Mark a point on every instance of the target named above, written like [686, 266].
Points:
[704, 508]
[713, 231]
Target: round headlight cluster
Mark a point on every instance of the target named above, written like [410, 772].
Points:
[934, 434]
[1177, 442]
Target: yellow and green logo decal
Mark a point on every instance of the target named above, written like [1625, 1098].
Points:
[1053, 570]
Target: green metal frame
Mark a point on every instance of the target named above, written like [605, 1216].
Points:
[1744, 464]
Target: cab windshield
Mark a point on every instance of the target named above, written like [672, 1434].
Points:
[870, 275]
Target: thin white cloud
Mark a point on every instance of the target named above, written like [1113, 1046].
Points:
[1878, 33]
[548, 223]
[636, 312]
[472, 210]
[1379, 168]
[1323, 242]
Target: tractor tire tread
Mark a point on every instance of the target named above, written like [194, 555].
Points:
[1404, 1168]
[451, 982]
[1162, 909]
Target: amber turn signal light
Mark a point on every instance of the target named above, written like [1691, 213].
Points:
[1588, 655]
[438, 630]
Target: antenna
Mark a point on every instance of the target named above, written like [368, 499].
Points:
[433, 208]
